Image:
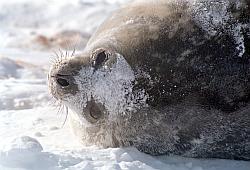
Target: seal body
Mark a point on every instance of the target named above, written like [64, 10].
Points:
[167, 77]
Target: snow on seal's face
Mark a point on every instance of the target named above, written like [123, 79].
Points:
[96, 88]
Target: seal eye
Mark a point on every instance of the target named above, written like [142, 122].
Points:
[62, 82]
[94, 110]
[100, 58]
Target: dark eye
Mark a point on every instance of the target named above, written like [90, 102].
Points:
[100, 58]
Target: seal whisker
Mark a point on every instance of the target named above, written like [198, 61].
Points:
[56, 57]
[53, 59]
[52, 101]
[66, 55]
[59, 107]
[66, 116]
[73, 52]
[61, 55]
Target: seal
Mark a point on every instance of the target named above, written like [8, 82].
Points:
[166, 77]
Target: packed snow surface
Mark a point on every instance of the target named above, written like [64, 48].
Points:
[33, 135]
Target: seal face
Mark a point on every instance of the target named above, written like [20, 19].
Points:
[164, 77]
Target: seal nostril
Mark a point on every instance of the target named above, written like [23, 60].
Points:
[62, 82]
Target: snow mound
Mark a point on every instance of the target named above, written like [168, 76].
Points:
[21, 152]
[8, 68]
[27, 153]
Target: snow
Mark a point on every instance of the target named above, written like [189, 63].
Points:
[33, 135]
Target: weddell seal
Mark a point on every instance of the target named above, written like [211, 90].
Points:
[166, 77]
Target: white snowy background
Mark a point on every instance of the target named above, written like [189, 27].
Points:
[33, 135]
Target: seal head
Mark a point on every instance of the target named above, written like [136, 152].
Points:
[98, 88]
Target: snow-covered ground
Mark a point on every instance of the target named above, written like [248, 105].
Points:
[33, 134]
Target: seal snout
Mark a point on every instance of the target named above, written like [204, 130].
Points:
[62, 80]
[62, 84]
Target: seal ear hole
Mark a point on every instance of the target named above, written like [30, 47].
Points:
[100, 58]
